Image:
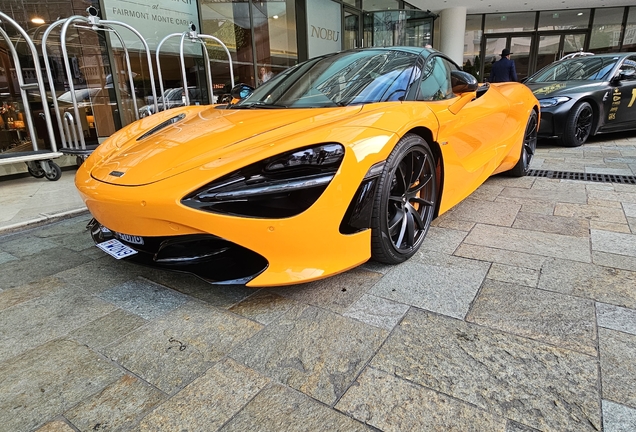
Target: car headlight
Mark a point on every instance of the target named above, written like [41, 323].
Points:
[277, 187]
[553, 101]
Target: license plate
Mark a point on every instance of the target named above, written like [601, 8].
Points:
[130, 238]
[116, 249]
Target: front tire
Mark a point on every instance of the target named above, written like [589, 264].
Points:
[405, 201]
[528, 147]
[578, 126]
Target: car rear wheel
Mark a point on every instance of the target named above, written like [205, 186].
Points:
[578, 125]
[528, 147]
[404, 202]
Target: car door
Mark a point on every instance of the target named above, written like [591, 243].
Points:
[623, 110]
[471, 140]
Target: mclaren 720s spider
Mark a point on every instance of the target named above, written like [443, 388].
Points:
[341, 159]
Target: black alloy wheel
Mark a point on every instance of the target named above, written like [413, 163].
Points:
[579, 125]
[405, 201]
[528, 147]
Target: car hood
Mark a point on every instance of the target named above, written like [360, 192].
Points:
[203, 136]
[563, 88]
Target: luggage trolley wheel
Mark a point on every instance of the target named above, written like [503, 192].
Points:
[52, 171]
[35, 170]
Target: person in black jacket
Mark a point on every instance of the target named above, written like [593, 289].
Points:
[504, 69]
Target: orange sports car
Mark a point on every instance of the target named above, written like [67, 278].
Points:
[340, 159]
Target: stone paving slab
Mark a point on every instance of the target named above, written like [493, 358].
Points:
[502, 256]
[589, 212]
[535, 242]
[208, 402]
[493, 213]
[554, 388]
[144, 298]
[614, 261]
[281, 409]
[624, 197]
[45, 382]
[435, 282]
[603, 284]
[107, 329]
[573, 195]
[377, 311]
[514, 275]
[389, 403]
[616, 243]
[616, 318]
[618, 418]
[263, 306]
[312, 350]
[117, 407]
[618, 368]
[444, 240]
[530, 205]
[56, 426]
[173, 350]
[553, 223]
[34, 267]
[553, 318]
[13, 296]
[49, 317]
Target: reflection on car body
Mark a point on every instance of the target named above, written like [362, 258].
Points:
[342, 158]
[173, 98]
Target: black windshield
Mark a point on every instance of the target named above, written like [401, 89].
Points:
[349, 78]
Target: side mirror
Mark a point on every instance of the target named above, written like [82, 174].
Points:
[241, 91]
[463, 82]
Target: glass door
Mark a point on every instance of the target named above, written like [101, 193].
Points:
[352, 36]
[552, 47]
[520, 49]
[494, 45]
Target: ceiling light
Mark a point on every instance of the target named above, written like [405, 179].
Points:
[580, 13]
[37, 20]
[275, 17]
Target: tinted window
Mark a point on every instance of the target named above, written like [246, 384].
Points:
[579, 68]
[436, 80]
[630, 65]
[349, 78]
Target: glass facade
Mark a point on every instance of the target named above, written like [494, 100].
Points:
[606, 30]
[629, 38]
[398, 28]
[510, 22]
[564, 19]
[536, 39]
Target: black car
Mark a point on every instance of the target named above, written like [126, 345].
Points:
[586, 95]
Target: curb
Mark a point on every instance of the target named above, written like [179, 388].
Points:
[43, 219]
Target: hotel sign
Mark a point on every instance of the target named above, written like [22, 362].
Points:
[154, 21]
[324, 27]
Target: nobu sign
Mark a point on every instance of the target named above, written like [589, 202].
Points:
[323, 33]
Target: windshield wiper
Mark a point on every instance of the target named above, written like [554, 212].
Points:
[258, 105]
